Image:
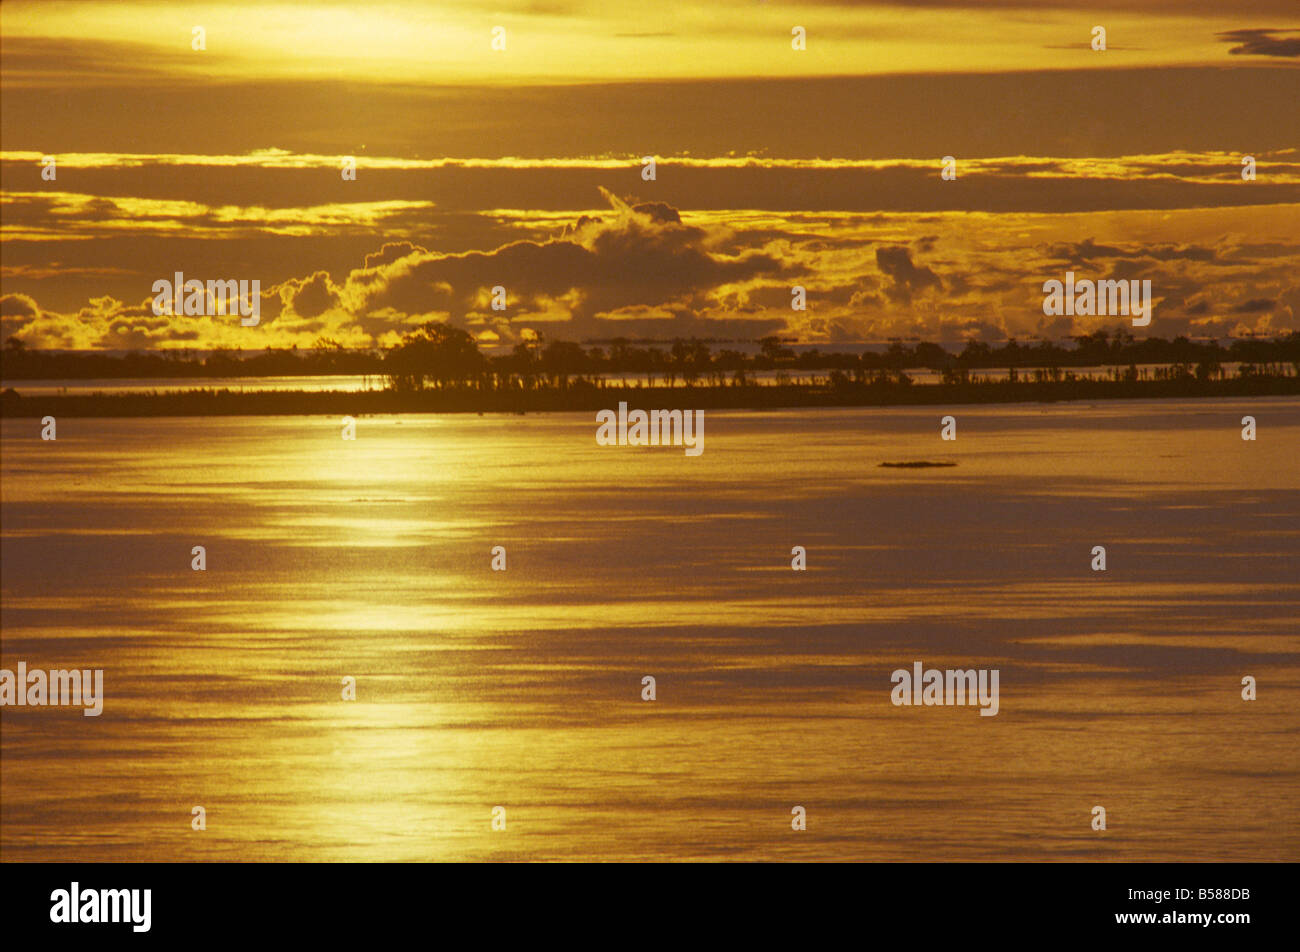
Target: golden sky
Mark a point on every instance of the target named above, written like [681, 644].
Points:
[522, 167]
[603, 40]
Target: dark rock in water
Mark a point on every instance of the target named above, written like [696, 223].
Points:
[916, 464]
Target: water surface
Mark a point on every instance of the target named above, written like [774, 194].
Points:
[522, 688]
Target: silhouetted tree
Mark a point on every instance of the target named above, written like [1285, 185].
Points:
[438, 352]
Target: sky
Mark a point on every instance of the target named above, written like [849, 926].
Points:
[523, 168]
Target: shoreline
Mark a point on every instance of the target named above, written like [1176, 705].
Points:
[591, 399]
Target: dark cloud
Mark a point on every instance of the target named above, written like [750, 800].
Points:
[896, 262]
[18, 305]
[1088, 250]
[312, 297]
[650, 271]
[683, 323]
[1262, 42]
[658, 211]
[91, 60]
[17, 311]
[582, 222]
[960, 331]
[644, 256]
[391, 251]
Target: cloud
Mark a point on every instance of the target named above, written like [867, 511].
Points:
[17, 311]
[642, 257]
[391, 251]
[311, 297]
[1087, 251]
[896, 262]
[645, 269]
[658, 211]
[18, 305]
[1262, 42]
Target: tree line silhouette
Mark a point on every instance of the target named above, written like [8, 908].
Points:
[440, 356]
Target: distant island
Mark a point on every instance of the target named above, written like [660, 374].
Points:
[916, 464]
[439, 368]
